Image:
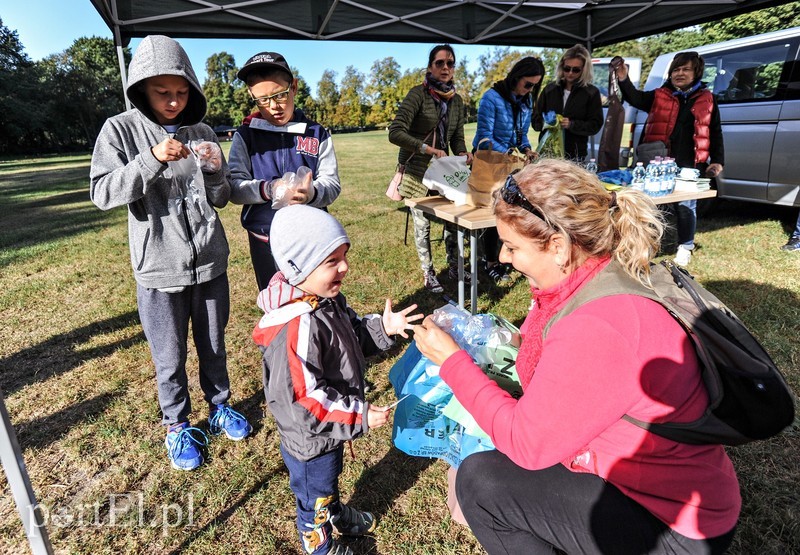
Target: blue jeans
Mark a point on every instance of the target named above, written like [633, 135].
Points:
[315, 484]
[796, 232]
[686, 216]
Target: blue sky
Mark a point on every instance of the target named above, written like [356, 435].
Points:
[49, 26]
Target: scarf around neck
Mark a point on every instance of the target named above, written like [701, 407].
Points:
[441, 93]
[690, 91]
[545, 304]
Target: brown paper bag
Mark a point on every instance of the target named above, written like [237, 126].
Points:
[489, 171]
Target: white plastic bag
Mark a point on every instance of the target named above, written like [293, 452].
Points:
[448, 176]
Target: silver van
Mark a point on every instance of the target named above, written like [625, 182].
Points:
[756, 82]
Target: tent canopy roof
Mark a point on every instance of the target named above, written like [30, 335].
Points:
[557, 24]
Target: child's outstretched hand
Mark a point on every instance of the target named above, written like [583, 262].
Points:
[398, 322]
[377, 416]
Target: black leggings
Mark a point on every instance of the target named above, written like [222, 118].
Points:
[513, 511]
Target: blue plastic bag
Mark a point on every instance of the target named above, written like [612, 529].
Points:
[421, 428]
[616, 177]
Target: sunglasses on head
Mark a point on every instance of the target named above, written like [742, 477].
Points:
[512, 195]
[572, 69]
[441, 63]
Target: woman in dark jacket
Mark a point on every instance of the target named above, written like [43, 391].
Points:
[575, 99]
[429, 122]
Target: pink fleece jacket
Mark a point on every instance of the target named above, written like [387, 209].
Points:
[617, 355]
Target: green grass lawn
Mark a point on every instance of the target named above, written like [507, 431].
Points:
[79, 383]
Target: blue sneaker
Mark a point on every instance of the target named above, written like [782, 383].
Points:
[184, 444]
[225, 419]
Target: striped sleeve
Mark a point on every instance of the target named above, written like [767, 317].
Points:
[323, 409]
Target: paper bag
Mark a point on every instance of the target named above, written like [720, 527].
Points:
[489, 172]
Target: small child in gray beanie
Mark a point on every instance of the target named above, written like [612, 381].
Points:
[301, 237]
[313, 349]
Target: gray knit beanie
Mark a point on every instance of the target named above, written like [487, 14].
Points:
[301, 237]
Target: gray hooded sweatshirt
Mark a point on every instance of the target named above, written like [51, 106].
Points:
[171, 245]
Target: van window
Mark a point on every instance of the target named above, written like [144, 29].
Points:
[747, 74]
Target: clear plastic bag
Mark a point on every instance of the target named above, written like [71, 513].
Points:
[209, 155]
[188, 188]
[284, 187]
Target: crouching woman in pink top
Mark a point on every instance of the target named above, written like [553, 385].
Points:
[569, 474]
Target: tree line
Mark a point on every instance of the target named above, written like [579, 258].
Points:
[59, 103]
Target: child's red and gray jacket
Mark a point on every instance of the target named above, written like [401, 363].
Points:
[313, 357]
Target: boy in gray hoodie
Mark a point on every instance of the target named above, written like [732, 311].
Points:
[160, 161]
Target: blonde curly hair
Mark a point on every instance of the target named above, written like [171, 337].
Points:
[593, 222]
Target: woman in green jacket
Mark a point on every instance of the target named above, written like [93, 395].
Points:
[430, 122]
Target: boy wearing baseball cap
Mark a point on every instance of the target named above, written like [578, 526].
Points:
[276, 139]
[313, 347]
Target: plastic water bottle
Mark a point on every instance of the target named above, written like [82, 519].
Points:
[638, 176]
[669, 168]
[591, 166]
[652, 179]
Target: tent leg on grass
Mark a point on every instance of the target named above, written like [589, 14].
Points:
[20, 484]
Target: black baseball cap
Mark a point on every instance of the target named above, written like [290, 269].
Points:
[264, 60]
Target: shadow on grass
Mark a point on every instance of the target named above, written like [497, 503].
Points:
[281, 545]
[41, 432]
[380, 485]
[61, 353]
[43, 206]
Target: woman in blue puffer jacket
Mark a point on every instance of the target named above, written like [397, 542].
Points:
[504, 115]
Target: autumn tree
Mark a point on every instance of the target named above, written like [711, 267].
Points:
[465, 87]
[220, 90]
[327, 97]
[351, 109]
[496, 64]
[381, 91]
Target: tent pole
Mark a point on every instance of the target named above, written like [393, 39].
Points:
[20, 483]
[121, 57]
